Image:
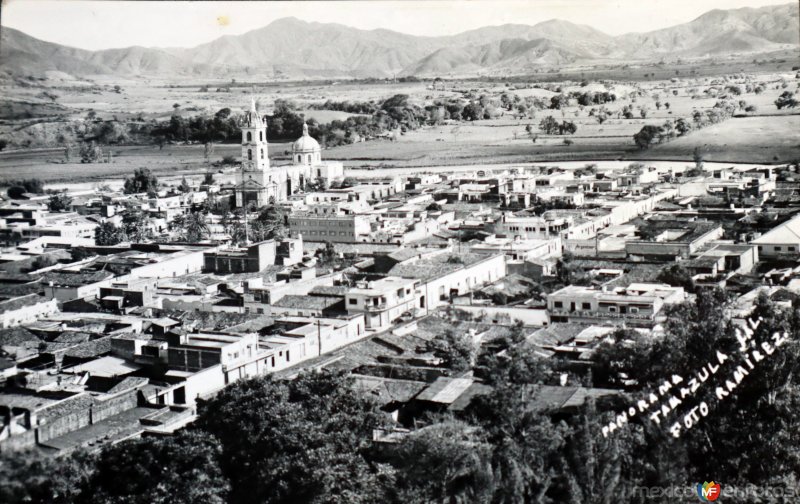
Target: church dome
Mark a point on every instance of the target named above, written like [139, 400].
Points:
[305, 143]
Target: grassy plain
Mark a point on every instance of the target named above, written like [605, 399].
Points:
[766, 135]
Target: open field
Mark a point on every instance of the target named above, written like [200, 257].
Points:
[485, 142]
[759, 139]
[767, 135]
[173, 160]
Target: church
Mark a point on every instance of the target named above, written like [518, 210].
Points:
[259, 184]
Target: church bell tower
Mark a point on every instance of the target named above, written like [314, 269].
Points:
[254, 141]
[254, 180]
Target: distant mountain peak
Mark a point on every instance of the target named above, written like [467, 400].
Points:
[290, 46]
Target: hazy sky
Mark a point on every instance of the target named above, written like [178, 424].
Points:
[106, 24]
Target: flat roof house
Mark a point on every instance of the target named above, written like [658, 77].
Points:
[637, 304]
[382, 301]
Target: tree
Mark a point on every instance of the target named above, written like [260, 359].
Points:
[91, 153]
[698, 327]
[567, 128]
[595, 469]
[142, 181]
[754, 431]
[682, 126]
[677, 276]
[3, 144]
[327, 254]
[184, 186]
[444, 462]
[456, 350]
[434, 207]
[558, 102]
[137, 226]
[59, 202]
[69, 152]
[519, 364]
[195, 228]
[291, 441]
[526, 443]
[269, 225]
[647, 135]
[16, 192]
[182, 469]
[697, 156]
[208, 178]
[472, 112]
[20, 187]
[786, 99]
[349, 182]
[549, 125]
[208, 149]
[317, 184]
[108, 234]
[30, 476]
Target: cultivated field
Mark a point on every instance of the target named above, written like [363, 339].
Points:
[41, 110]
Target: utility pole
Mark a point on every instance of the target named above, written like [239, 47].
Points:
[246, 229]
[319, 338]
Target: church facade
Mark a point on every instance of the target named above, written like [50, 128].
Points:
[259, 184]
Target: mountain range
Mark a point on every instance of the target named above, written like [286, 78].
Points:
[293, 48]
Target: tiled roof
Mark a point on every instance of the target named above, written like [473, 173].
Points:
[329, 290]
[127, 383]
[435, 267]
[549, 398]
[75, 279]
[308, 302]
[17, 335]
[92, 348]
[445, 390]
[20, 302]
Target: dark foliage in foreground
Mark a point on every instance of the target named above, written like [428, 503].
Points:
[309, 440]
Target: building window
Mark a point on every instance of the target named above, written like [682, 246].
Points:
[249, 154]
[261, 136]
[790, 249]
[612, 309]
[558, 304]
[262, 153]
[586, 306]
[353, 301]
[249, 137]
[777, 249]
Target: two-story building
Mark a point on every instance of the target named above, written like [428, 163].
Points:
[382, 301]
[637, 304]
